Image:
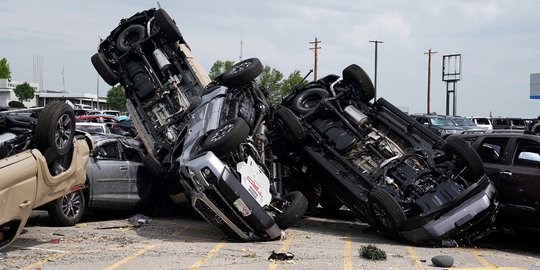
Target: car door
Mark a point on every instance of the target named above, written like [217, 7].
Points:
[140, 190]
[520, 184]
[110, 173]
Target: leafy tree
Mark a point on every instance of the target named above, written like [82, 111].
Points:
[24, 92]
[294, 80]
[16, 104]
[219, 67]
[5, 71]
[116, 98]
[270, 79]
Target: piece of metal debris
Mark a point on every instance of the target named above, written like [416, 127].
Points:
[282, 256]
[138, 219]
[443, 261]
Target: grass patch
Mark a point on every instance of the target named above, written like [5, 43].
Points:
[372, 252]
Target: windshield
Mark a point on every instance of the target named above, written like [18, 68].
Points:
[441, 121]
[466, 122]
[91, 129]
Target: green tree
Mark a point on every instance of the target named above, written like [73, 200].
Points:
[116, 98]
[271, 80]
[294, 80]
[5, 71]
[16, 104]
[219, 67]
[24, 92]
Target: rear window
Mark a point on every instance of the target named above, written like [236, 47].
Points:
[482, 121]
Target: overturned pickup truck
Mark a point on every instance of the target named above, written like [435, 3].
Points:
[208, 141]
[41, 159]
[391, 171]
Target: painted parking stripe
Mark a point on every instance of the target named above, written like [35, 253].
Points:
[282, 248]
[347, 262]
[130, 257]
[50, 258]
[210, 253]
[414, 258]
[480, 259]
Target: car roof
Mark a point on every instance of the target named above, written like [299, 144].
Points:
[501, 134]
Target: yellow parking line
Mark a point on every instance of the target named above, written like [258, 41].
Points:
[50, 258]
[130, 257]
[282, 248]
[414, 258]
[480, 259]
[347, 262]
[215, 249]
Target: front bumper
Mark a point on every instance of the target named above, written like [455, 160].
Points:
[460, 219]
[220, 199]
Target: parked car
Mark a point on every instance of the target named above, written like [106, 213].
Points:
[209, 141]
[390, 170]
[41, 159]
[508, 123]
[93, 128]
[440, 124]
[116, 179]
[467, 124]
[512, 161]
[483, 122]
[97, 118]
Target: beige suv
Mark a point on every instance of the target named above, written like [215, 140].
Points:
[41, 159]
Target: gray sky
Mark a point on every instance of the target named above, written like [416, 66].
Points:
[499, 42]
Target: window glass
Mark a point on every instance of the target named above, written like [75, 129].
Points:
[482, 121]
[527, 154]
[132, 155]
[492, 149]
[108, 151]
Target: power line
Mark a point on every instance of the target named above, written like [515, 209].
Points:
[315, 49]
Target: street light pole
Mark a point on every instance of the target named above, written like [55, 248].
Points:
[376, 53]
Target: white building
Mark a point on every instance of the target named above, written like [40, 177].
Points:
[7, 94]
[41, 98]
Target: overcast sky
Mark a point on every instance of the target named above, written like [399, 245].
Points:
[499, 42]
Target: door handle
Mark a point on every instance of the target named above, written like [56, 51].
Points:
[509, 173]
[25, 204]
[123, 168]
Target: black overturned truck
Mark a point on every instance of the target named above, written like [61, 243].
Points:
[387, 168]
[208, 141]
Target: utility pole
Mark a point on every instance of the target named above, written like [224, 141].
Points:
[429, 53]
[315, 49]
[376, 45]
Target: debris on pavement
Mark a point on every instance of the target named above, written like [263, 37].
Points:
[138, 219]
[372, 252]
[443, 261]
[282, 256]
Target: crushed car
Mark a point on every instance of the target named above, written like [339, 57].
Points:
[390, 170]
[41, 159]
[208, 140]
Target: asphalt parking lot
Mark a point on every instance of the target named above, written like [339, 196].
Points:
[187, 242]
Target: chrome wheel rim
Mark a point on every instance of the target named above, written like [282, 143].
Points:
[63, 131]
[71, 205]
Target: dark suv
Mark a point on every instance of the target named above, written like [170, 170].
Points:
[390, 170]
[209, 141]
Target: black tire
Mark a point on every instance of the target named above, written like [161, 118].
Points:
[308, 100]
[103, 69]
[226, 137]
[330, 203]
[360, 81]
[55, 130]
[242, 73]
[69, 209]
[168, 27]
[131, 35]
[289, 126]
[386, 211]
[459, 151]
[293, 206]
